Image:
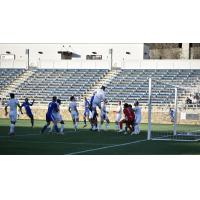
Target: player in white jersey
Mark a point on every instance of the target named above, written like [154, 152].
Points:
[58, 118]
[138, 117]
[104, 115]
[98, 98]
[74, 112]
[118, 115]
[13, 104]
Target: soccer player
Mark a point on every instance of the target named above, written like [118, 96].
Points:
[93, 121]
[104, 115]
[172, 114]
[86, 111]
[128, 118]
[138, 117]
[52, 107]
[27, 105]
[58, 118]
[98, 98]
[118, 115]
[12, 103]
[74, 112]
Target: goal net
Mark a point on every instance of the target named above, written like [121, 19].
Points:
[169, 116]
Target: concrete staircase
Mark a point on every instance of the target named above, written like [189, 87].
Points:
[14, 85]
[105, 80]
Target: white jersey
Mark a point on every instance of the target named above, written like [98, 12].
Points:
[12, 103]
[100, 94]
[118, 113]
[98, 98]
[57, 115]
[119, 110]
[138, 115]
[73, 109]
[72, 106]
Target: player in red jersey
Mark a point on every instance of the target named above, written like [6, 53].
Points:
[128, 118]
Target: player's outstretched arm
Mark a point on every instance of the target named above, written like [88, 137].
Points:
[69, 109]
[32, 102]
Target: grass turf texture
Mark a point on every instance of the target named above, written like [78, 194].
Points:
[29, 141]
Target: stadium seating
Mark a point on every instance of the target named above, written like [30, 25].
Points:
[132, 84]
[128, 85]
[44, 83]
[8, 75]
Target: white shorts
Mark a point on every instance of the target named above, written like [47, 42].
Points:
[118, 117]
[74, 115]
[57, 117]
[13, 116]
[96, 102]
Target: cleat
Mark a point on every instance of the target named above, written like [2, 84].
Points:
[120, 131]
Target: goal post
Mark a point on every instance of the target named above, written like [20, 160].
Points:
[166, 112]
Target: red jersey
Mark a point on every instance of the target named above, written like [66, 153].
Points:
[129, 114]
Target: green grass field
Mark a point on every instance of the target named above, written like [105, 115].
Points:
[29, 141]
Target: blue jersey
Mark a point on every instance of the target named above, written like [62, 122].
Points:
[91, 100]
[27, 105]
[52, 107]
[87, 103]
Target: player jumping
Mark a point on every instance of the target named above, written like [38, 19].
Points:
[12, 103]
[98, 98]
[27, 105]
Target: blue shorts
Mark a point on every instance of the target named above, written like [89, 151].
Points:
[49, 118]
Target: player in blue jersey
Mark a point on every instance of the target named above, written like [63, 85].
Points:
[86, 111]
[29, 113]
[52, 107]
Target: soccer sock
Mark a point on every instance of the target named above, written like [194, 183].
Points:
[56, 128]
[106, 124]
[84, 121]
[32, 122]
[116, 126]
[62, 127]
[44, 128]
[52, 128]
[126, 128]
[12, 126]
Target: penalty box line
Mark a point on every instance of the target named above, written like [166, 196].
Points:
[106, 147]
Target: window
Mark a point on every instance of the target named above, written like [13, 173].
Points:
[94, 57]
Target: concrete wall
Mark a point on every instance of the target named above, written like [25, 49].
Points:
[159, 115]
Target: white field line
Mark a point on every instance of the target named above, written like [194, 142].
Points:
[107, 147]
